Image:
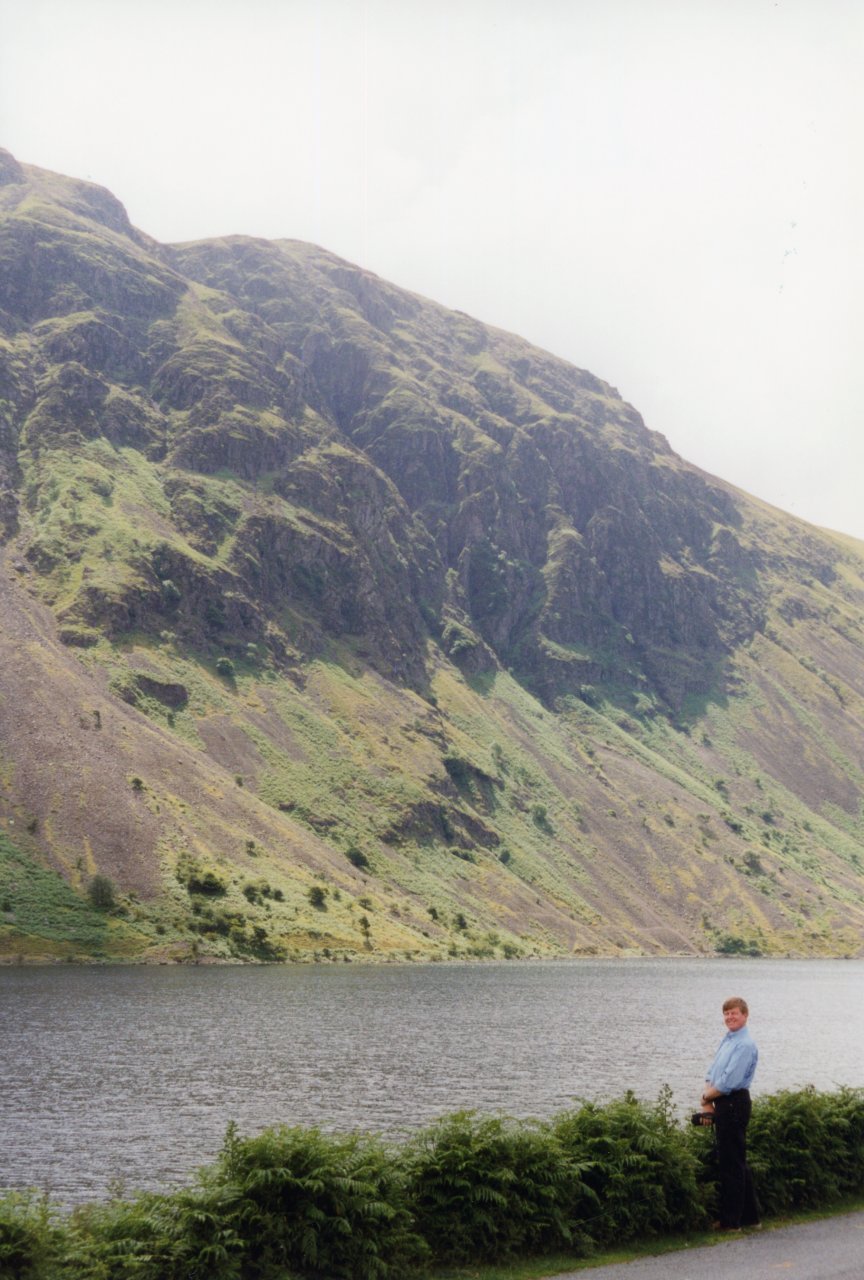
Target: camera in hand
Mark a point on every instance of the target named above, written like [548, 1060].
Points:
[702, 1117]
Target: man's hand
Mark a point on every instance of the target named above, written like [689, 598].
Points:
[706, 1104]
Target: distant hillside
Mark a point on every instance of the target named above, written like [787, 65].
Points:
[337, 624]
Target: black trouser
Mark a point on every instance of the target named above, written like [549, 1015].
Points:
[738, 1204]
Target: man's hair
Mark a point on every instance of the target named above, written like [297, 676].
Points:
[736, 1002]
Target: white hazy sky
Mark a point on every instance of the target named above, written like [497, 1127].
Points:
[666, 192]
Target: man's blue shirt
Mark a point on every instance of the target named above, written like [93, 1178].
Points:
[734, 1062]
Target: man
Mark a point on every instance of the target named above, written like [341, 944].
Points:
[727, 1091]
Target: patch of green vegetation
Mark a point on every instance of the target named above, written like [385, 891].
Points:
[357, 857]
[730, 944]
[38, 904]
[200, 880]
[102, 893]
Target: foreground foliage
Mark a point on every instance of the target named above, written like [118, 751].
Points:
[300, 1203]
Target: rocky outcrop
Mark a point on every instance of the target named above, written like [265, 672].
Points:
[315, 439]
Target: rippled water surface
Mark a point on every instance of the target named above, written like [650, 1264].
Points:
[133, 1073]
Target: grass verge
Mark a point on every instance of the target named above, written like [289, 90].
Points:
[553, 1265]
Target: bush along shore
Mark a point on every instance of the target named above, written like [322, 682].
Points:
[295, 1203]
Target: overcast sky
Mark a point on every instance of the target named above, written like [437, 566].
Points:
[666, 192]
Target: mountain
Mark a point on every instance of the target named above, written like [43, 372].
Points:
[338, 624]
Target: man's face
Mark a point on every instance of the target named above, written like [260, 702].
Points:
[734, 1018]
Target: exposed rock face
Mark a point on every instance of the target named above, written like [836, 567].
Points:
[562, 518]
[387, 445]
[253, 453]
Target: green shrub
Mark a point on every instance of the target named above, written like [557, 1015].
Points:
[29, 1239]
[100, 891]
[483, 1189]
[807, 1148]
[206, 883]
[460, 770]
[189, 1235]
[729, 944]
[640, 1170]
[320, 1204]
[458, 641]
[540, 818]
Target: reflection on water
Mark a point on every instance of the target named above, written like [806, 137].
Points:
[133, 1073]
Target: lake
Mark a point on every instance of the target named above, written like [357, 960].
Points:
[133, 1073]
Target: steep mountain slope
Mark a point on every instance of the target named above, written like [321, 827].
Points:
[336, 623]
